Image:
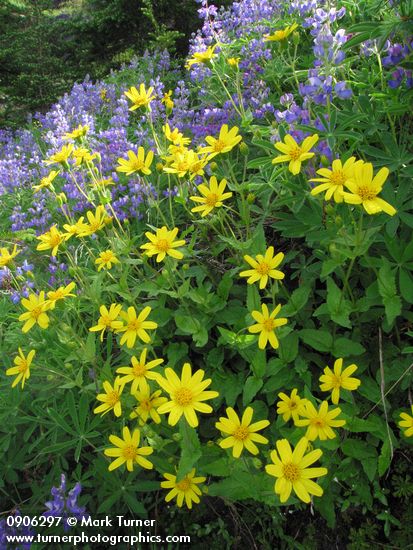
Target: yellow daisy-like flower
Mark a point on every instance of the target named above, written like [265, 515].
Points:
[365, 188]
[6, 257]
[136, 326]
[241, 432]
[111, 398]
[47, 181]
[106, 259]
[292, 471]
[76, 229]
[60, 294]
[187, 489]
[263, 267]
[291, 406]
[61, 157]
[279, 35]
[52, 239]
[139, 372]
[97, 221]
[127, 451]
[224, 143]
[212, 196]
[295, 154]
[77, 133]
[167, 100]
[186, 395]
[175, 136]
[83, 155]
[108, 319]
[36, 307]
[406, 422]
[136, 163]
[181, 163]
[141, 98]
[102, 183]
[333, 381]
[199, 58]
[233, 61]
[163, 243]
[21, 368]
[333, 180]
[320, 422]
[266, 325]
[148, 405]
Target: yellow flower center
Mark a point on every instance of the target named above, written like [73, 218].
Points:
[268, 325]
[94, 226]
[293, 404]
[336, 381]
[366, 193]
[138, 369]
[295, 153]
[280, 35]
[23, 366]
[105, 320]
[129, 452]
[183, 397]
[112, 398]
[338, 177]
[219, 145]
[291, 472]
[184, 485]
[57, 295]
[146, 404]
[55, 240]
[36, 311]
[134, 325]
[163, 245]
[106, 256]
[138, 164]
[263, 268]
[241, 433]
[318, 422]
[211, 199]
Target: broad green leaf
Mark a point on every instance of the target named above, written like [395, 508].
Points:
[338, 306]
[344, 347]
[319, 340]
[297, 301]
[251, 388]
[190, 449]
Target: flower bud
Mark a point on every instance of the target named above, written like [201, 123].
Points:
[250, 198]
[296, 38]
[213, 166]
[177, 437]
[244, 149]
[330, 210]
[324, 161]
[159, 166]
[257, 463]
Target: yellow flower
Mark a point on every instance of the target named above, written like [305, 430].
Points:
[292, 471]
[293, 153]
[321, 422]
[167, 100]
[136, 326]
[111, 398]
[186, 489]
[22, 368]
[226, 141]
[233, 61]
[212, 196]
[406, 422]
[266, 325]
[333, 381]
[97, 221]
[83, 155]
[46, 182]
[186, 161]
[291, 406]
[241, 432]
[52, 239]
[6, 257]
[186, 395]
[77, 133]
[76, 229]
[136, 163]
[108, 319]
[36, 307]
[106, 259]
[141, 98]
[148, 405]
[102, 183]
[365, 188]
[281, 34]
[333, 181]
[139, 372]
[127, 451]
[60, 294]
[263, 267]
[61, 157]
[201, 57]
[163, 243]
[175, 136]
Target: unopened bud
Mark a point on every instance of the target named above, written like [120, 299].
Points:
[296, 38]
[257, 463]
[213, 166]
[330, 210]
[177, 437]
[250, 198]
[159, 166]
[324, 161]
[244, 149]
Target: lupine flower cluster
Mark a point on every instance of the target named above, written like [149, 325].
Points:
[64, 504]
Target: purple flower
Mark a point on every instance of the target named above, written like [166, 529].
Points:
[65, 505]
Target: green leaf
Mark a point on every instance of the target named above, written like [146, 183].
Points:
[225, 286]
[251, 388]
[358, 449]
[338, 306]
[253, 298]
[176, 351]
[344, 347]
[90, 348]
[230, 386]
[190, 449]
[185, 322]
[406, 285]
[297, 301]
[259, 363]
[288, 348]
[319, 340]
[384, 458]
